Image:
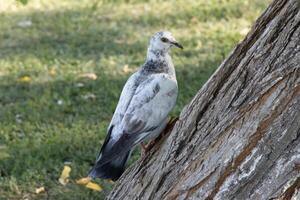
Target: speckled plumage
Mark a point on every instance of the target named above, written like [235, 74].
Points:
[145, 102]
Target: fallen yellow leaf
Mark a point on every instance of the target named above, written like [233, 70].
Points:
[65, 174]
[39, 190]
[52, 71]
[24, 79]
[91, 76]
[83, 181]
[244, 31]
[94, 186]
[111, 181]
[126, 69]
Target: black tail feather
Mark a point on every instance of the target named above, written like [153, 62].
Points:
[111, 170]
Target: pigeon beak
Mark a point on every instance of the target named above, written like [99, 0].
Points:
[177, 45]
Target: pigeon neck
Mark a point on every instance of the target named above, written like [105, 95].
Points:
[158, 62]
[156, 54]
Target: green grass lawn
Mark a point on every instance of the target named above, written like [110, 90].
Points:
[51, 116]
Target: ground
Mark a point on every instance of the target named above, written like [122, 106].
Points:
[52, 113]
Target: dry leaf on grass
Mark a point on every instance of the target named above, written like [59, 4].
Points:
[24, 79]
[39, 190]
[126, 69]
[94, 186]
[52, 72]
[65, 174]
[83, 181]
[88, 184]
[244, 31]
[91, 76]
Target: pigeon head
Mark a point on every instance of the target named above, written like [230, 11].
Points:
[162, 41]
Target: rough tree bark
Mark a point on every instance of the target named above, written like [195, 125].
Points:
[239, 138]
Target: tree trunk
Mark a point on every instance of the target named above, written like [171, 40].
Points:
[239, 138]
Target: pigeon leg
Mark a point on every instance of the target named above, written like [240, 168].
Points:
[143, 149]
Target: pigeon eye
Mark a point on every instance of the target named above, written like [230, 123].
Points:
[164, 39]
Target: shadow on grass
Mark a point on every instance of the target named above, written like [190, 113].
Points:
[87, 33]
[53, 40]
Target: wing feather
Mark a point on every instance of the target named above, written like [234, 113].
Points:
[124, 100]
[141, 109]
[151, 104]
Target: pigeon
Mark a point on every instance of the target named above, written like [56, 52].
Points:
[142, 111]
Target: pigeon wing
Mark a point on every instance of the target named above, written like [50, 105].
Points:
[124, 100]
[147, 108]
[150, 105]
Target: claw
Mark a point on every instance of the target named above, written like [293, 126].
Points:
[145, 148]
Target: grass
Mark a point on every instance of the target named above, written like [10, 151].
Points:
[53, 116]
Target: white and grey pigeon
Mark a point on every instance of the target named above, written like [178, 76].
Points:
[142, 112]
